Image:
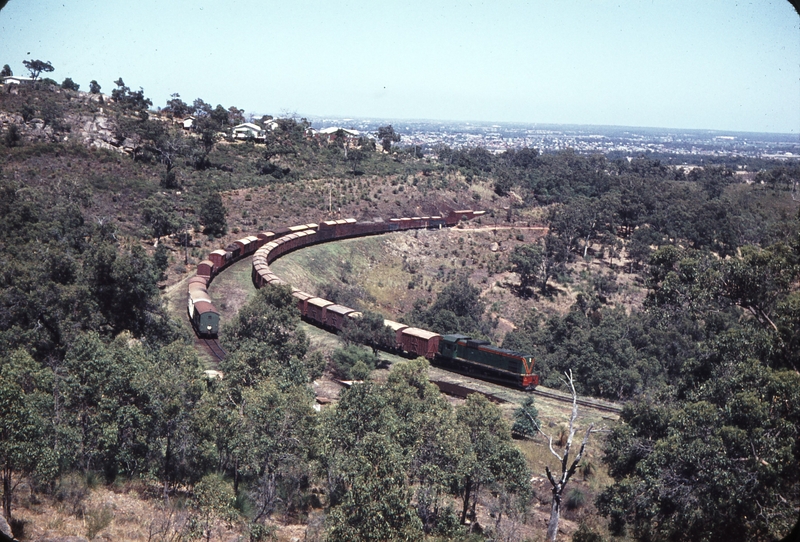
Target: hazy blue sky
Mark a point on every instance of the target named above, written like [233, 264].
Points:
[728, 65]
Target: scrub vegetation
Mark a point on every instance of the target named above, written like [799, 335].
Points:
[673, 291]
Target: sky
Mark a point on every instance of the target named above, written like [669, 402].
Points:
[711, 64]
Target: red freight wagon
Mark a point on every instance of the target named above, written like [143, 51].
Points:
[198, 279]
[419, 341]
[265, 237]
[306, 238]
[302, 298]
[335, 315]
[256, 241]
[396, 327]
[315, 309]
[205, 268]
[220, 258]
[245, 246]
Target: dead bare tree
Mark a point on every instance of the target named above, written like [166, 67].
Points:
[566, 472]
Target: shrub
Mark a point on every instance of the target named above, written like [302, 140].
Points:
[98, 519]
[575, 499]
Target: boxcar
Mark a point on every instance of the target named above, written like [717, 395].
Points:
[198, 279]
[420, 342]
[315, 309]
[266, 237]
[220, 259]
[205, 268]
[335, 315]
[396, 327]
[302, 300]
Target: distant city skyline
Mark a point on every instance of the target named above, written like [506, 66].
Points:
[716, 65]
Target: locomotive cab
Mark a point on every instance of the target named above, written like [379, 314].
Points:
[474, 356]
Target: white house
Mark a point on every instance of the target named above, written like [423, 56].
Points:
[15, 80]
[248, 130]
[330, 133]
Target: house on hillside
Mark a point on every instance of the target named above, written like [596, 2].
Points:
[188, 122]
[248, 130]
[271, 125]
[16, 80]
[330, 134]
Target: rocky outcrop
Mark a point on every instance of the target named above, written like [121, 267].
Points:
[95, 129]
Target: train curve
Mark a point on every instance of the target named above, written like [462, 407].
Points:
[268, 246]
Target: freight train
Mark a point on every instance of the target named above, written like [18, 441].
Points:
[456, 352]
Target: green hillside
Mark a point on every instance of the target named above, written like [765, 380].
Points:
[672, 292]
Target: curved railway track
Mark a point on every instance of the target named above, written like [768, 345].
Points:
[212, 347]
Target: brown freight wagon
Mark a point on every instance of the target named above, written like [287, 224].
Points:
[205, 268]
[198, 279]
[220, 259]
[335, 315]
[302, 298]
[396, 327]
[419, 341]
[245, 245]
[315, 309]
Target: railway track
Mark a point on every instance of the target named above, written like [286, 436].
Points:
[212, 346]
[457, 390]
[582, 401]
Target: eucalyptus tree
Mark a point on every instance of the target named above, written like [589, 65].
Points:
[568, 469]
[36, 67]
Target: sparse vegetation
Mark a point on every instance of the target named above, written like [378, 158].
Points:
[674, 293]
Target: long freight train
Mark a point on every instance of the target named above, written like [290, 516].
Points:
[456, 352]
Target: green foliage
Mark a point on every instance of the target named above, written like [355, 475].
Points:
[387, 136]
[133, 101]
[490, 458]
[212, 215]
[36, 67]
[12, 137]
[368, 330]
[586, 534]
[612, 354]
[575, 499]
[458, 309]
[527, 261]
[98, 519]
[265, 342]
[26, 404]
[158, 212]
[423, 441]
[352, 361]
[716, 466]
[378, 504]
[213, 499]
[94, 87]
[69, 84]
[6, 71]
[526, 419]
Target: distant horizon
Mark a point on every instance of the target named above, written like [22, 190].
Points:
[541, 124]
